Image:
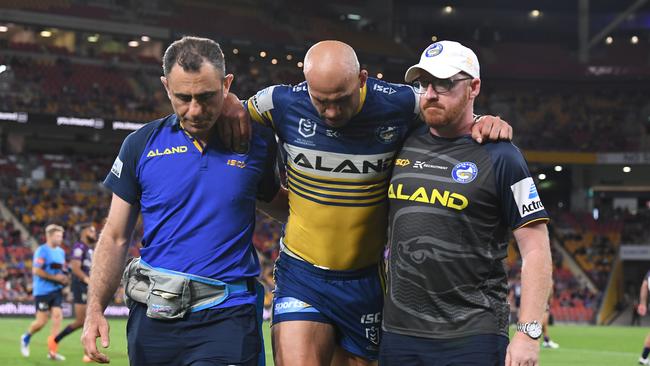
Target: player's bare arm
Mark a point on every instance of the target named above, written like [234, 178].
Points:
[643, 298]
[59, 278]
[75, 266]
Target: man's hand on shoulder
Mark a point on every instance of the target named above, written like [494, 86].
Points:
[233, 125]
[491, 128]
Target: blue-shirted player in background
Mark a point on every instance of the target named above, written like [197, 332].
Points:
[80, 262]
[50, 277]
[197, 201]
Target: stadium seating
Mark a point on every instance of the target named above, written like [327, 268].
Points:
[69, 196]
[15, 264]
[571, 302]
[542, 118]
[592, 243]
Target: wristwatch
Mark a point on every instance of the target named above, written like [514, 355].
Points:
[532, 329]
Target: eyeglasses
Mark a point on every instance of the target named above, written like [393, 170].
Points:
[441, 86]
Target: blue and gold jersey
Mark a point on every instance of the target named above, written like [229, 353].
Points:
[337, 177]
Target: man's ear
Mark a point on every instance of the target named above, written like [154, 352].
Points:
[227, 81]
[165, 83]
[475, 86]
[363, 77]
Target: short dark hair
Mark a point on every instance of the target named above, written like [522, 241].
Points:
[84, 225]
[190, 53]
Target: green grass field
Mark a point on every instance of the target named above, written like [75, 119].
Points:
[579, 345]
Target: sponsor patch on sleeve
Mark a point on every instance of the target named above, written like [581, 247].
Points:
[263, 100]
[526, 197]
[40, 261]
[78, 252]
[117, 167]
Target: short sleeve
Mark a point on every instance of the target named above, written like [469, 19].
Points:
[122, 179]
[40, 258]
[520, 202]
[77, 253]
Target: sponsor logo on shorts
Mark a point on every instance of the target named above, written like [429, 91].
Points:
[372, 334]
[286, 305]
[372, 322]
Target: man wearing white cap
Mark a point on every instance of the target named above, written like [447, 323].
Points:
[452, 205]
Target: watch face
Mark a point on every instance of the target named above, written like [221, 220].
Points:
[534, 330]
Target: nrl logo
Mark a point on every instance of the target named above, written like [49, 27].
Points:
[307, 128]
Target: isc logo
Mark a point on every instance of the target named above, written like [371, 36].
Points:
[384, 89]
[237, 163]
[371, 318]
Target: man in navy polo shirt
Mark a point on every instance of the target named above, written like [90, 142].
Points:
[197, 201]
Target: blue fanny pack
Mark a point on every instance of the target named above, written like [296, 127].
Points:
[170, 294]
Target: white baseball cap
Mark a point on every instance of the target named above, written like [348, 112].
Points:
[443, 60]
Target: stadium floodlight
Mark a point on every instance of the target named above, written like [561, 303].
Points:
[535, 13]
[299, 64]
[4, 28]
[634, 40]
[235, 51]
[289, 57]
[274, 61]
[354, 17]
[145, 38]
[46, 33]
[134, 44]
[609, 40]
[448, 9]
[627, 169]
[380, 75]
[558, 168]
[542, 176]
[3, 68]
[434, 38]
[262, 54]
[93, 38]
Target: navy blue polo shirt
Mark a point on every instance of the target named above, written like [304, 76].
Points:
[197, 202]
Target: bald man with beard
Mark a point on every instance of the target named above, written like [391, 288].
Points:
[339, 132]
